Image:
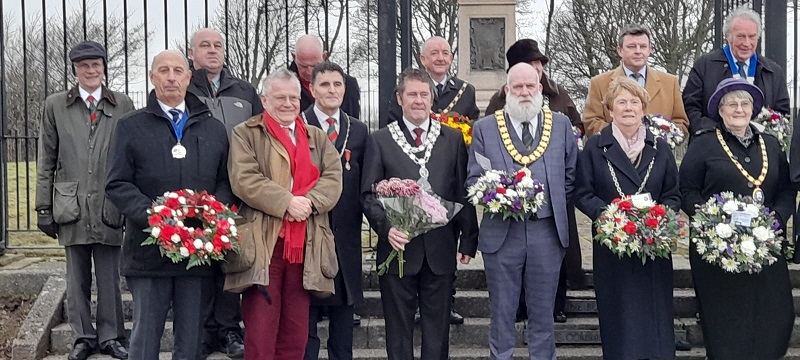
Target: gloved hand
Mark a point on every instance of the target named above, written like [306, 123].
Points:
[46, 223]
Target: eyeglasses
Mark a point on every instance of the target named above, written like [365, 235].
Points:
[735, 105]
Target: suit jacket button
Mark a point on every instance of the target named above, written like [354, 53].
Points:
[750, 184]
[747, 159]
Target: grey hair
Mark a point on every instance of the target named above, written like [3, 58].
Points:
[191, 41]
[742, 12]
[155, 58]
[281, 73]
[736, 94]
[633, 29]
[535, 73]
[431, 39]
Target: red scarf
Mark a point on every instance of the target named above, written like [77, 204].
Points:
[304, 176]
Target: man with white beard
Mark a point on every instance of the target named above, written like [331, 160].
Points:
[525, 135]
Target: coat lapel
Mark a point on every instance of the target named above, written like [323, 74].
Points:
[652, 83]
[614, 154]
[648, 153]
[344, 123]
[311, 117]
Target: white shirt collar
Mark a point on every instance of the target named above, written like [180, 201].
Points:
[323, 117]
[166, 108]
[424, 126]
[97, 93]
[290, 126]
[215, 79]
[642, 71]
[518, 124]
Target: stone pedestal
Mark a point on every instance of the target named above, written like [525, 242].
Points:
[486, 29]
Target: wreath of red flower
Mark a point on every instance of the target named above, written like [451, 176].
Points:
[193, 226]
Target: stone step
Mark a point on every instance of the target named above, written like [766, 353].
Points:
[475, 304]
[371, 334]
[474, 278]
[481, 353]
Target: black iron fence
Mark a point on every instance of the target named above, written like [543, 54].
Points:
[369, 38]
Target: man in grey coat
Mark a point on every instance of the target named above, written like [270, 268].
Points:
[525, 135]
[76, 129]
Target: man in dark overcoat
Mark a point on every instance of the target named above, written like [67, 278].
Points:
[349, 135]
[172, 144]
[736, 59]
[71, 201]
[307, 54]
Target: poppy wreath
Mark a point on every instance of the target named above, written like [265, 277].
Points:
[193, 226]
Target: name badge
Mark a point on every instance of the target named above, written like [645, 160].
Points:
[741, 218]
[642, 200]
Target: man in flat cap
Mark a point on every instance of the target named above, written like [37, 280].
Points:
[75, 132]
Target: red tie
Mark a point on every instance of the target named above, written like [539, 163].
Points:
[92, 108]
[332, 134]
[418, 139]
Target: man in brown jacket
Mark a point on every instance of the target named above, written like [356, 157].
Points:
[288, 176]
[634, 48]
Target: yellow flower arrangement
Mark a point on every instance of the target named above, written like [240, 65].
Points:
[458, 122]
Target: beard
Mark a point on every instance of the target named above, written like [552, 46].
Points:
[524, 111]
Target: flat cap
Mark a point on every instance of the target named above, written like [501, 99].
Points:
[87, 50]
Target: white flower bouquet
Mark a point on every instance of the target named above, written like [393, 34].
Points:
[665, 129]
[736, 234]
[774, 123]
[512, 195]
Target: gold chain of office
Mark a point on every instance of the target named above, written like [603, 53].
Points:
[525, 160]
[758, 194]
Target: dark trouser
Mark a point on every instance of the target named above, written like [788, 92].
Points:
[223, 313]
[340, 332]
[79, 291]
[277, 330]
[561, 295]
[152, 299]
[400, 296]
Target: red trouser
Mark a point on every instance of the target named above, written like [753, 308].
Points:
[277, 331]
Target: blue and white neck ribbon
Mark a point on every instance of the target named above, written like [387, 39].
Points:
[751, 69]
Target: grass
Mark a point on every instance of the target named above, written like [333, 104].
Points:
[21, 207]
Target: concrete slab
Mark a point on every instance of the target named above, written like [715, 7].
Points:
[33, 337]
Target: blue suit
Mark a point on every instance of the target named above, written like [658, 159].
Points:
[535, 246]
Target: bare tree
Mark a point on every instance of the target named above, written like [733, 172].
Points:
[255, 35]
[39, 65]
[584, 38]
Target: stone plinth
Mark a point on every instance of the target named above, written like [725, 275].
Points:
[487, 28]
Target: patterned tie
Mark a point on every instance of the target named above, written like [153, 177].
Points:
[418, 138]
[742, 72]
[636, 77]
[214, 88]
[527, 138]
[332, 134]
[176, 115]
[92, 108]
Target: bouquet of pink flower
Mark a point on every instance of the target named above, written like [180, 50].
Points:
[412, 211]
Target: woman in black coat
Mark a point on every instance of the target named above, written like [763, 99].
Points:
[743, 316]
[634, 301]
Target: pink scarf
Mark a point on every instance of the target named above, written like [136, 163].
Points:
[632, 147]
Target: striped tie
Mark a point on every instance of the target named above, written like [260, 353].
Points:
[214, 88]
[92, 108]
[332, 134]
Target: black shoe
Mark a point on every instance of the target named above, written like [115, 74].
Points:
[682, 345]
[81, 351]
[560, 317]
[233, 346]
[456, 318]
[416, 317]
[356, 320]
[115, 349]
